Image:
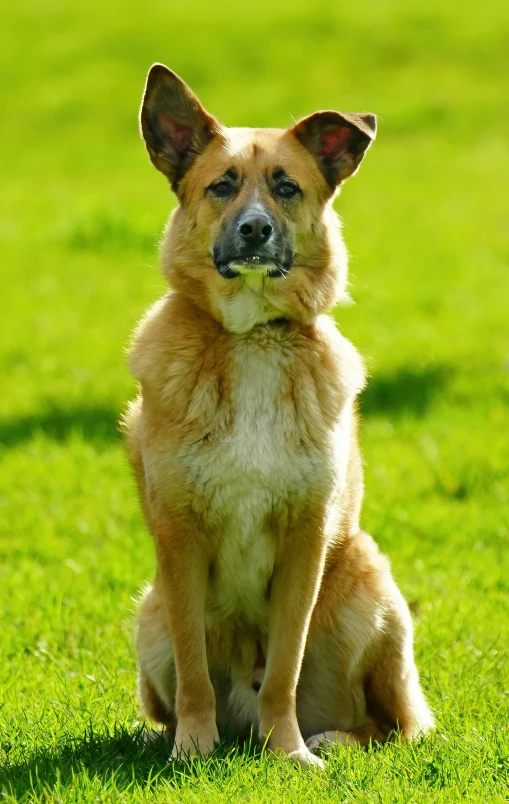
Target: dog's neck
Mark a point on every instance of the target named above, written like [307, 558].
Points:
[252, 305]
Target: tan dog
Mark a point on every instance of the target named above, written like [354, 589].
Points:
[270, 607]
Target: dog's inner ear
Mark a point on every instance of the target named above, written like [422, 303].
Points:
[337, 141]
[175, 126]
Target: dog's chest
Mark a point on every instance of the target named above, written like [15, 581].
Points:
[245, 479]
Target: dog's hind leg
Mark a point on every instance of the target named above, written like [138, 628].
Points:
[394, 702]
[393, 691]
[156, 668]
[359, 681]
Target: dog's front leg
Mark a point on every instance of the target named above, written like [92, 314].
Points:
[182, 577]
[294, 590]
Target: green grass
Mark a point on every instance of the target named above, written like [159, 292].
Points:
[426, 222]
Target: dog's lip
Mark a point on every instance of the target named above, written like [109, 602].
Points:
[253, 262]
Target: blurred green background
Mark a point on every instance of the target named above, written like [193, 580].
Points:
[427, 225]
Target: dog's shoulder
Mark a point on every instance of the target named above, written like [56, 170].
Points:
[177, 356]
[339, 363]
[170, 341]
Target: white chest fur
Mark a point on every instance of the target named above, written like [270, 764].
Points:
[248, 475]
[248, 479]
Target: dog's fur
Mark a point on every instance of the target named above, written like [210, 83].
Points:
[271, 607]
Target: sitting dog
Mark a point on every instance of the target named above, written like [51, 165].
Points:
[270, 608]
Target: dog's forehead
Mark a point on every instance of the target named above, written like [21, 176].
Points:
[254, 151]
[250, 144]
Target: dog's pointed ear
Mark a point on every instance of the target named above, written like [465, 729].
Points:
[337, 141]
[174, 124]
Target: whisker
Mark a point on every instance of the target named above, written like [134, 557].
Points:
[282, 271]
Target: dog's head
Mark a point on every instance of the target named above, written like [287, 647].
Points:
[254, 237]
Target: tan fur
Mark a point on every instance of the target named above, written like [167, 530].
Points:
[243, 442]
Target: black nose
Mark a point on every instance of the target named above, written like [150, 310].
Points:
[255, 228]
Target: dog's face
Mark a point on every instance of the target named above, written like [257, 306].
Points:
[255, 217]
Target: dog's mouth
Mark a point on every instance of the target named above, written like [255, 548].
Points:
[251, 266]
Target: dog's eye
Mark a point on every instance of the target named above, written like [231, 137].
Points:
[222, 189]
[286, 189]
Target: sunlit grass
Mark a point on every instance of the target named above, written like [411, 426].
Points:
[81, 211]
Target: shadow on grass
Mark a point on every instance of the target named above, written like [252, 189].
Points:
[94, 424]
[407, 391]
[119, 760]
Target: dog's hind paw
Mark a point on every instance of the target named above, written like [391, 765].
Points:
[362, 736]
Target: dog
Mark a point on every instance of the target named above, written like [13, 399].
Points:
[271, 609]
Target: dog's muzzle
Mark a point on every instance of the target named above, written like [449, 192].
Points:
[253, 242]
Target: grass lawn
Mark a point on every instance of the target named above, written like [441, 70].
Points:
[427, 225]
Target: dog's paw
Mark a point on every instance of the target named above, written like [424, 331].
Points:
[285, 740]
[192, 741]
[301, 756]
[305, 759]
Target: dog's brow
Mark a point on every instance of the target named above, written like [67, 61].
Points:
[279, 173]
[232, 174]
